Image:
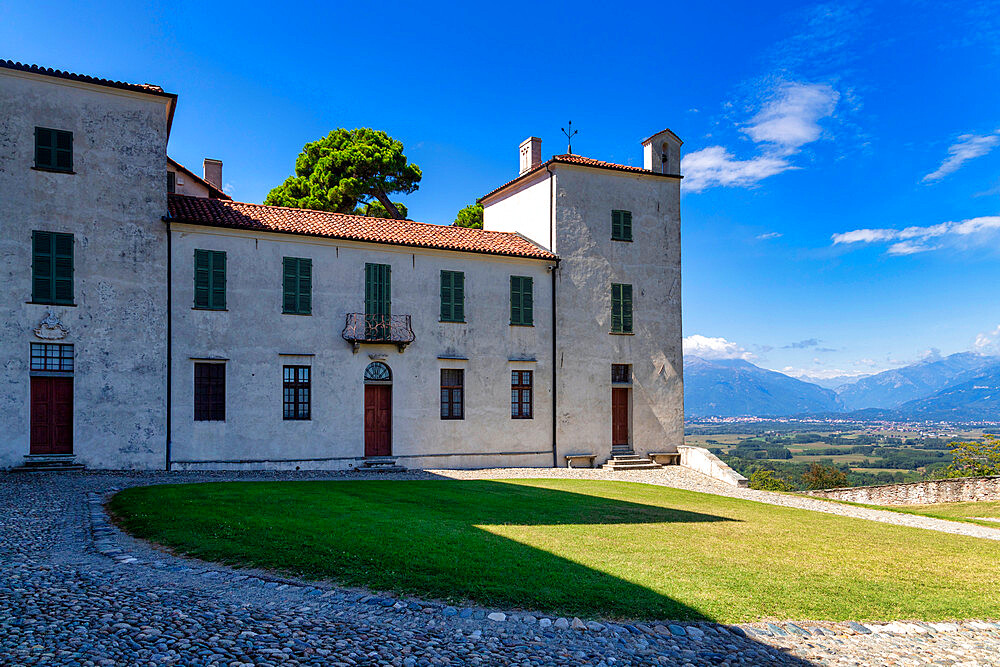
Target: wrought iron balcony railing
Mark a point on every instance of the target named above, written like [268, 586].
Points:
[372, 328]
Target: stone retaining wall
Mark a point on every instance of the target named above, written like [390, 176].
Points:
[961, 489]
[701, 460]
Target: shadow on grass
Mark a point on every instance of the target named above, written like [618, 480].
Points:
[425, 538]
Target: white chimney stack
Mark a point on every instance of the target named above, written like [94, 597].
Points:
[213, 172]
[530, 153]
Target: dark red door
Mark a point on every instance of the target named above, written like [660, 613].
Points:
[51, 415]
[619, 416]
[378, 420]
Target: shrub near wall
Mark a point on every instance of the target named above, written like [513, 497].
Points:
[960, 489]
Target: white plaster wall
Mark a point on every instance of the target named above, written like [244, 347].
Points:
[112, 205]
[589, 262]
[253, 332]
[701, 460]
[523, 209]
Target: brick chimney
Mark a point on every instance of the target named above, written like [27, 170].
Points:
[531, 154]
[213, 172]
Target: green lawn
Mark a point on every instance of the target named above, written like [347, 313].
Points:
[610, 549]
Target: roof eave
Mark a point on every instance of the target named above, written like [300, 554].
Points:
[549, 257]
[555, 160]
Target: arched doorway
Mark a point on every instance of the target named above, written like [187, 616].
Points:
[378, 410]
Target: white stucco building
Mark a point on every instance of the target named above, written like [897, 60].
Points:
[149, 321]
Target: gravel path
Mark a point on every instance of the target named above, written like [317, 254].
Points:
[75, 591]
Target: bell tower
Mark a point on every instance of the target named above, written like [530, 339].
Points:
[661, 153]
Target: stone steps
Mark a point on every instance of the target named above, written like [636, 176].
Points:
[380, 464]
[49, 463]
[630, 462]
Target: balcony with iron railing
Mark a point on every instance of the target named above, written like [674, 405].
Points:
[378, 329]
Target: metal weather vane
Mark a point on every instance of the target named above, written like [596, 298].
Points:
[569, 136]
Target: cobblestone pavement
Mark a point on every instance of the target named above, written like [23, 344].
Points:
[75, 591]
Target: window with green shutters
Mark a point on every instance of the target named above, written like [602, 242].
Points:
[210, 279]
[378, 301]
[53, 149]
[621, 225]
[52, 268]
[521, 300]
[621, 308]
[296, 275]
[452, 296]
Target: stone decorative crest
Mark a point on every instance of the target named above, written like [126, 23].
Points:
[378, 357]
[51, 328]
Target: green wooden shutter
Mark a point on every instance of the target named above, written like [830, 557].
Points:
[62, 275]
[289, 284]
[458, 296]
[41, 267]
[515, 300]
[447, 303]
[202, 278]
[616, 224]
[626, 309]
[218, 298]
[626, 225]
[616, 307]
[43, 147]
[527, 301]
[305, 286]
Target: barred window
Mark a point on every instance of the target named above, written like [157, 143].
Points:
[297, 392]
[621, 373]
[452, 393]
[209, 392]
[52, 357]
[520, 394]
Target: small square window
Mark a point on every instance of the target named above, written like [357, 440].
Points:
[621, 373]
[621, 225]
[53, 149]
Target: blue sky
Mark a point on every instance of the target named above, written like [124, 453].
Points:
[842, 161]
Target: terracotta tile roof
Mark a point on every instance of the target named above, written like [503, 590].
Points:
[572, 158]
[258, 217]
[58, 73]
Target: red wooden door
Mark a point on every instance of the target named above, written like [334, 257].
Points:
[51, 415]
[619, 416]
[378, 420]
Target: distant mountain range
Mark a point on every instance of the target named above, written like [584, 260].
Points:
[737, 388]
[960, 387]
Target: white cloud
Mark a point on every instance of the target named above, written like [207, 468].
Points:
[769, 235]
[967, 147]
[714, 348]
[716, 166]
[822, 373]
[791, 118]
[788, 121]
[910, 240]
[986, 343]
